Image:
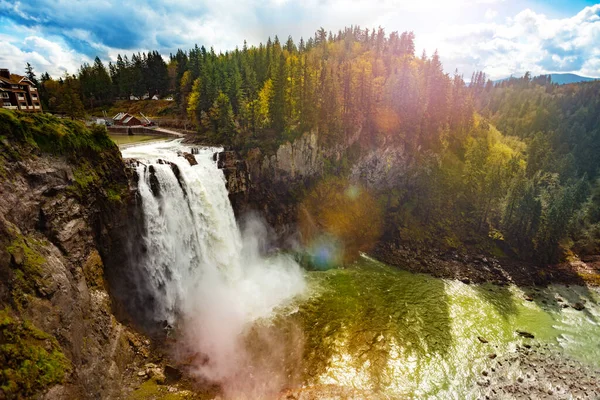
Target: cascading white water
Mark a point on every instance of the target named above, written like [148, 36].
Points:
[209, 279]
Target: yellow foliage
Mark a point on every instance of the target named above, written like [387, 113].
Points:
[261, 110]
[193, 100]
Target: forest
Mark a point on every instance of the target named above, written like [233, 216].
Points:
[508, 168]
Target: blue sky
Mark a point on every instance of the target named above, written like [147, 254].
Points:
[500, 37]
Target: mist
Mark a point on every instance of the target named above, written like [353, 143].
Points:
[228, 321]
[218, 289]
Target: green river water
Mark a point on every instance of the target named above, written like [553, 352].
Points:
[383, 330]
[123, 139]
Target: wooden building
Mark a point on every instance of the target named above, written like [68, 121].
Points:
[126, 119]
[18, 93]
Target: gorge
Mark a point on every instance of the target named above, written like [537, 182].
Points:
[115, 266]
[364, 331]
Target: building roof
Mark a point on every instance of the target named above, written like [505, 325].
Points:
[16, 80]
[22, 79]
[120, 116]
[126, 120]
[124, 117]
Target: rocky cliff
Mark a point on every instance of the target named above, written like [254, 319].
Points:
[274, 185]
[63, 191]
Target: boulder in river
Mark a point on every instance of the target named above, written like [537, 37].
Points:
[190, 158]
[578, 306]
[482, 340]
[525, 334]
[172, 373]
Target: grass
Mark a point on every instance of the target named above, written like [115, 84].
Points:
[53, 135]
[92, 153]
[30, 359]
[27, 267]
[113, 195]
[84, 176]
[150, 390]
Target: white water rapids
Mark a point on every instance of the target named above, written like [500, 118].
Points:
[209, 279]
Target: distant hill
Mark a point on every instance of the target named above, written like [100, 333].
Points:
[563, 79]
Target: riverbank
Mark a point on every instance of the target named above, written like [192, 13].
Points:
[535, 370]
[481, 269]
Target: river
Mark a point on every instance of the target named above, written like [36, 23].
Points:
[380, 329]
[259, 326]
[125, 140]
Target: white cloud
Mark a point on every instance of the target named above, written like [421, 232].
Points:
[500, 46]
[490, 14]
[527, 42]
[43, 54]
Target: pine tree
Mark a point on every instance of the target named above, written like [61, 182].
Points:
[70, 101]
[31, 75]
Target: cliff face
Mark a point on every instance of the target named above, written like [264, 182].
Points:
[63, 191]
[275, 185]
[272, 185]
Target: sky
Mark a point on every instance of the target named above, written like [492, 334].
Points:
[499, 37]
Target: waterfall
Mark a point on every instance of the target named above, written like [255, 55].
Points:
[207, 279]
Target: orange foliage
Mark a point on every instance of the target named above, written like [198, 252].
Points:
[343, 212]
[387, 121]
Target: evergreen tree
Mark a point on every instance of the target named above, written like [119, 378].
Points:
[31, 75]
[70, 100]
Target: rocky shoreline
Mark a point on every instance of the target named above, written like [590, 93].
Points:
[538, 371]
[270, 186]
[470, 268]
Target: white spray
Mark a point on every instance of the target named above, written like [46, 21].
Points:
[210, 279]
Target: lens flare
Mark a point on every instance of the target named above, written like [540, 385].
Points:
[338, 220]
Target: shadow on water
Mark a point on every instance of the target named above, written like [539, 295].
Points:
[556, 298]
[499, 297]
[371, 311]
[534, 281]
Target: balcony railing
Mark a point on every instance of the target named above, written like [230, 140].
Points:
[10, 107]
[37, 107]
